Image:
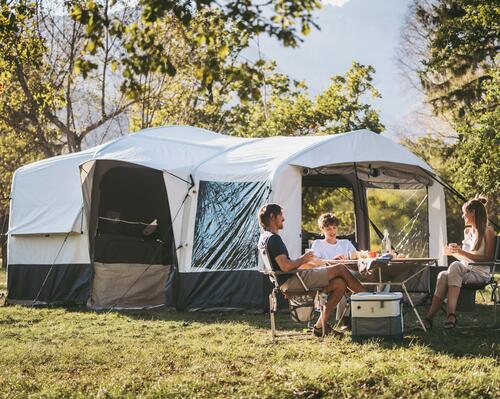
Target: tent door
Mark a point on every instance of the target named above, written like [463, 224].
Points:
[339, 194]
[132, 246]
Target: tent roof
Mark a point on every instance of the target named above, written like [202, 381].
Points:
[48, 197]
[261, 157]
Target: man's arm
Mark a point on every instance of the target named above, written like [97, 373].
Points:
[286, 264]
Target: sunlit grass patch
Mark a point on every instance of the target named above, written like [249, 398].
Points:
[77, 353]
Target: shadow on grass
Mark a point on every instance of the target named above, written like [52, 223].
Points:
[473, 337]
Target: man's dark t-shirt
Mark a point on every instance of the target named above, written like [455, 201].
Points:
[275, 247]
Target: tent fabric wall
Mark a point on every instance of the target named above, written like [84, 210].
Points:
[48, 284]
[437, 223]
[222, 289]
[133, 285]
[190, 158]
[46, 196]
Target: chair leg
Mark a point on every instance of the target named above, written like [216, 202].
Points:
[272, 310]
[323, 323]
[339, 321]
[322, 301]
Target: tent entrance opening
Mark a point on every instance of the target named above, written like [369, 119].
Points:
[133, 248]
[327, 193]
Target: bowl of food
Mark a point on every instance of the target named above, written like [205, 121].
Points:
[373, 254]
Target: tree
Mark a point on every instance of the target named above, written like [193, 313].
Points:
[39, 62]
[341, 107]
[26, 98]
[456, 43]
[288, 110]
[451, 46]
[188, 98]
[477, 153]
[144, 51]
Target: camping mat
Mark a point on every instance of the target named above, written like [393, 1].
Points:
[128, 285]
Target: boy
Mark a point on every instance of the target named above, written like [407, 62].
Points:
[330, 247]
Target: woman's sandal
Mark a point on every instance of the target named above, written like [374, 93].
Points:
[448, 325]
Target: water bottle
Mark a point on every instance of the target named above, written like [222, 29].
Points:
[386, 243]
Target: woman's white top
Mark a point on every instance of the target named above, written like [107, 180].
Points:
[468, 244]
[325, 250]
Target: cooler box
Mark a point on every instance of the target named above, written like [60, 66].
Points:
[377, 314]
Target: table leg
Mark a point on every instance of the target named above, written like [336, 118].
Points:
[379, 286]
[414, 308]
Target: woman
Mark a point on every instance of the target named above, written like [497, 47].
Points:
[477, 246]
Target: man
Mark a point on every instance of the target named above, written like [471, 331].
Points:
[335, 280]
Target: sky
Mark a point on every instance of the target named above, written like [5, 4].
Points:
[366, 31]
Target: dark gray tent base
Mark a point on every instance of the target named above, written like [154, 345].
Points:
[245, 290]
[66, 284]
[222, 290]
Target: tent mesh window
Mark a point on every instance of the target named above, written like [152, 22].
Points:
[404, 213]
[226, 228]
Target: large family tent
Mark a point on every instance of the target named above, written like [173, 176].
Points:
[167, 216]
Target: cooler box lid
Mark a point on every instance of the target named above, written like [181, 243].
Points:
[377, 296]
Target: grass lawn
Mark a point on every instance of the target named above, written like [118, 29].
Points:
[77, 353]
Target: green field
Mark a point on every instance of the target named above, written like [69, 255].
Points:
[77, 353]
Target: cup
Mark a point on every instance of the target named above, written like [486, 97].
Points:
[372, 254]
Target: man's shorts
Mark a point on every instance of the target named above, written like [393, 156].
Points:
[313, 278]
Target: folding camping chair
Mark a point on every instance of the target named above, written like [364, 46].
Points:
[298, 310]
[495, 289]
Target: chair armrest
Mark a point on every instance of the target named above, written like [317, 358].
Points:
[492, 265]
[487, 263]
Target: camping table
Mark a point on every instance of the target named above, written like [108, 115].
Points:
[388, 271]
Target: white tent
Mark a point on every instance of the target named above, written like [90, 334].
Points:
[77, 222]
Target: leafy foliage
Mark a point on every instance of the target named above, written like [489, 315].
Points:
[462, 42]
[193, 96]
[477, 165]
[318, 200]
[145, 52]
[458, 46]
[288, 110]
[27, 99]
